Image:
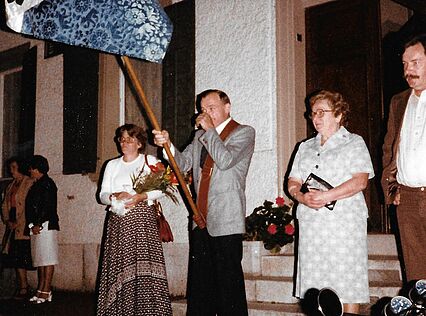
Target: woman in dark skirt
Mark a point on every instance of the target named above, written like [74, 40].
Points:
[13, 210]
[133, 278]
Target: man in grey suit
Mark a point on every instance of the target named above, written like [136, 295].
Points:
[219, 157]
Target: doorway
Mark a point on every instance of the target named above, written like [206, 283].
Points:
[343, 54]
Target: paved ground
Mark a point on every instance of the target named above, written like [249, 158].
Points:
[83, 304]
[63, 304]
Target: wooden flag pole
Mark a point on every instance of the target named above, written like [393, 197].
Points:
[151, 116]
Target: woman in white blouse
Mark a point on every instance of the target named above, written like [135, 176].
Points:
[133, 277]
[332, 243]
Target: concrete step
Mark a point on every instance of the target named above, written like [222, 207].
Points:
[379, 262]
[274, 309]
[382, 245]
[269, 289]
[255, 309]
[382, 289]
[278, 266]
[268, 309]
[384, 275]
[280, 289]
[179, 307]
[381, 268]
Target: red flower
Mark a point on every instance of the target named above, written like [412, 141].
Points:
[173, 179]
[158, 167]
[289, 229]
[272, 229]
[280, 201]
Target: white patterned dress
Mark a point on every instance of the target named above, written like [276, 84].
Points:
[332, 248]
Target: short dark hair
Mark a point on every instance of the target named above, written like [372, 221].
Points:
[22, 164]
[40, 163]
[417, 39]
[337, 103]
[222, 96]
[134, 131]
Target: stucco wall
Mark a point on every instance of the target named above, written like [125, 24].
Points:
[235, 52]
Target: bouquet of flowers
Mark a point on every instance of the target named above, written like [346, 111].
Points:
[160, 178]
[271, 223]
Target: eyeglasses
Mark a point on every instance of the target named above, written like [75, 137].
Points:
[129, 140]
[319, 113]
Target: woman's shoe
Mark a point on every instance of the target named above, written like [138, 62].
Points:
[41, 300]
[35, 297]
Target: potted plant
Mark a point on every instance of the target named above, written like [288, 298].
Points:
[272, 224]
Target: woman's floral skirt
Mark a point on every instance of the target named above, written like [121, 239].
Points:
[133, 278]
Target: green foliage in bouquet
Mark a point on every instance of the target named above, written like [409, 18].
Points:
[272, 224]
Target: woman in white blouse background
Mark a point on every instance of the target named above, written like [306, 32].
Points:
[133, 277]
[332, 243]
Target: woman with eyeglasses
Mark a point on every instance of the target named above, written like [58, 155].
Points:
[133, 277]
[332, 237]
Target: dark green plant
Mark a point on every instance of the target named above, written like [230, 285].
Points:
[272, 224]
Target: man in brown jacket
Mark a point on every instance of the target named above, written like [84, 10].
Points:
[404, 152]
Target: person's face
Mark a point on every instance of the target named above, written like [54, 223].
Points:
[14, 170]
[323, 118]
[213, 106]
[33, 173]
[129, 145]
[414, 61]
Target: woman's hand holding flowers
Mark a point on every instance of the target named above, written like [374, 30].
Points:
[135, 199]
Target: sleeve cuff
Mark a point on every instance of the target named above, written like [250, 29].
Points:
[172, 150]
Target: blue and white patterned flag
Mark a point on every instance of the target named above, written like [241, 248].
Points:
[134, 28]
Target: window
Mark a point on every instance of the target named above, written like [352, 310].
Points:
[17, 103]
[81, 73]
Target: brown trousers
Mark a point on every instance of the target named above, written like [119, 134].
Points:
[411, 215]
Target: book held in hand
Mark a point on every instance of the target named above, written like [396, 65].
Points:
[313, 182]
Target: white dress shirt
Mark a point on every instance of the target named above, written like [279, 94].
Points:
[412, 147]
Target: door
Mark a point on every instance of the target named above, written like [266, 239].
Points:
[342, 54]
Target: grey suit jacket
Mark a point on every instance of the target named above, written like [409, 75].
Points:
[226, 200]
[397, 109]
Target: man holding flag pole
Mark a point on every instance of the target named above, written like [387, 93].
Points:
[219, 157]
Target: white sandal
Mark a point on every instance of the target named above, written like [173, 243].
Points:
[41, 300]
[35, 297]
